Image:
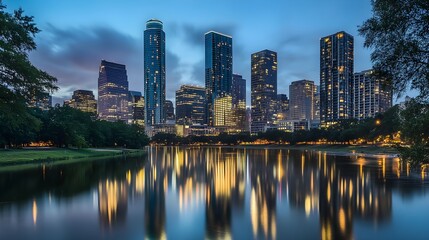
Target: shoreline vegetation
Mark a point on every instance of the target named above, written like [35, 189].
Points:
[20, 159]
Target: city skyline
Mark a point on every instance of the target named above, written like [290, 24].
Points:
[80, 44]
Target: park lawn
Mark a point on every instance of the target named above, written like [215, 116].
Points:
[17, 156]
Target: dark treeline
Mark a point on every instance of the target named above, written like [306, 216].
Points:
[384, 126]
[67, 127]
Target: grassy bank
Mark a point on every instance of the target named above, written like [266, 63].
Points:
[11, 159]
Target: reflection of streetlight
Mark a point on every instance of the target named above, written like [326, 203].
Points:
[377, 122]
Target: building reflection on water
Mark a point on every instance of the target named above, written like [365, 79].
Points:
[219, 180]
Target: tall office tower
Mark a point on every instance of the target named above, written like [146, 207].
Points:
[190, 105]
[223, 112]
[112, 92]
[264, 89]
[218, 70]
[169, 111]
[282, 107]
[238, 93]
[83, 100]
[136, 104]
[154, 72]
[301, 101]
[336, 76]
[370, 95]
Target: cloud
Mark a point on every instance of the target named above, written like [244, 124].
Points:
[74, 55]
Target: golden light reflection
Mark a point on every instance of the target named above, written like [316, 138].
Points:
[140, 178]
[34, 212]
[342, 220]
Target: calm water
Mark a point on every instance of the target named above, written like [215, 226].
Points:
[197, 193]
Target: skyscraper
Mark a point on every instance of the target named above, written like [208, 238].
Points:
[264, 89]
[223, 115]
[136, 104]
[336, 76]
[154, 72]
[301, 101]
[169, 111]
[83, 100]
[190, 105]
[282, 107]
[112, 92]
[238, 93]
[42, 102]
[370, 96]
[218, 70]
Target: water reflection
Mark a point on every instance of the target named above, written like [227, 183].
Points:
[176, 192]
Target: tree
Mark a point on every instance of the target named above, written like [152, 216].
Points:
[20, 81]
[399, 34]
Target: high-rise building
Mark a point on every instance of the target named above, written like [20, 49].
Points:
[190, 105]
[336, 76]
[223, 112]
[282, 107]
[317, 104]
[154, 72]
[169, 111]
[112, 92]
[83, 100]
[44, 103]
[136, 105]
[238, 93]
[218, 70]
[370, 95]
[301, 103]
[264, 89]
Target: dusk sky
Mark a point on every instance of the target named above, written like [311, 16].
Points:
[77, 34]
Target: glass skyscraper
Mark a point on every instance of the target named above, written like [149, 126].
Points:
[169, 111]
[336, 76]
[263, 89]
[218, 70]
[238, 92]
[190, 105]
[112, 92]
[136, 106]
[154, 72]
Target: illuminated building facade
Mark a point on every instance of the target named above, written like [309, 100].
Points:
[169, 111]
[263, 89]
[370, 96]
[83, 100]
[154, 72]
[218, 70]
[301, 101]
[112, 92]
[44, 103]
[238, 94]
[190, 105]
[336, 76]
[223, 112]
[136, 103]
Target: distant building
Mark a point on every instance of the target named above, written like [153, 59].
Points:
[238, 93]
[290, 125]
[223, 112]
[263, 89]
[218, 70]
[43, 103]
[169, 111]
[195, 130]
[336, 76]
[190, 105]
[282, 107]
[301, 102]
[136, 105]
[154, 72]
[83, 100]
[370, 95]
[112, 92]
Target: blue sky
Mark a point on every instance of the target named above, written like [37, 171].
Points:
[77, 34]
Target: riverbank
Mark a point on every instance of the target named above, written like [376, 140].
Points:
[17, 159]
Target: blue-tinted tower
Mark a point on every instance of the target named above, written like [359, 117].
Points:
[218, 70]
[154, 72]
